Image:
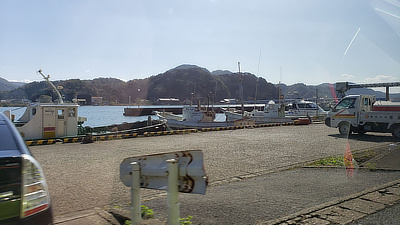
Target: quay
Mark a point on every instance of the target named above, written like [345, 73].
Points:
[255, 176]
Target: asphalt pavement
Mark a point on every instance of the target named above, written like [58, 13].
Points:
[303, 195]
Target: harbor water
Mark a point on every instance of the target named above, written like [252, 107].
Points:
[100, 115]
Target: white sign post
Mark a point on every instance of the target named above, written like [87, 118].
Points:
[135, 194]
[172, 192]
[175, 171]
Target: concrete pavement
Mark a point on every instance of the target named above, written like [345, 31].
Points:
[293, 197]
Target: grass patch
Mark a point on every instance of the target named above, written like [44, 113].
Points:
[329, 161]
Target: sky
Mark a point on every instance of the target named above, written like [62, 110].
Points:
[288, 41]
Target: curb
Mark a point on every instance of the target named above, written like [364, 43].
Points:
[148, 134]
[42, 142]
[337, 211]
[87, 216]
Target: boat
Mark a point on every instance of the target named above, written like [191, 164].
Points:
[48, 120]
[196, 117]
[272, 113]
[303, 108]
[139, 127]
[60, 120]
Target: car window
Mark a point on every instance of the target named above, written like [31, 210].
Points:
[346, 103]
[6, 140]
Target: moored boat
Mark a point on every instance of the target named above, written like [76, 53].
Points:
[194, 117]
[272, 113]
[60, 120]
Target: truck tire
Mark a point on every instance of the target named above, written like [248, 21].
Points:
[344, 128]
[396, 132]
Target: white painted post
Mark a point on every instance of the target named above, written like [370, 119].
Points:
[135, 194]
[172, 189]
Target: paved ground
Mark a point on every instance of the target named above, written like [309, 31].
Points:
[83, 179]
[297, 196]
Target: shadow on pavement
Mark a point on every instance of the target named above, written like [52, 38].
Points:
[367, 137]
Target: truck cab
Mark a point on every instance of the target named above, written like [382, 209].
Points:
[355, 113]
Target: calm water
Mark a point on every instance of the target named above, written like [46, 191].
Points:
[99, 115]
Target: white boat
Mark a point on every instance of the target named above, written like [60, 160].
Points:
[272, 113]
[193, 117]
[48, 120]
[302, 108]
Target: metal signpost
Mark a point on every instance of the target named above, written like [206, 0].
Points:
[175, 171]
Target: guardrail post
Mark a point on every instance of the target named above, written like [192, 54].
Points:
[135, 194]
[172, 195]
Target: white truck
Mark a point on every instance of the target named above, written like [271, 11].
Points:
[362, 113]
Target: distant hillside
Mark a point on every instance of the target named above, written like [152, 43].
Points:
[181, 83]
[324, 91]
[7, 86]
[185, 82]
[221, 72]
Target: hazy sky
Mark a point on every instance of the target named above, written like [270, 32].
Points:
[307, 41]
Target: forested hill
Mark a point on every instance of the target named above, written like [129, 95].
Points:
[5, 85]
[183, 82]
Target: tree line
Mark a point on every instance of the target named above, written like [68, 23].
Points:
[187, 84]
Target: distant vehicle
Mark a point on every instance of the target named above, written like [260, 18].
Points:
[362, 113]
[302, 108]
[24, 197]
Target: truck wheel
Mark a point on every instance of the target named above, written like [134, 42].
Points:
[344, 128]
[396, 132]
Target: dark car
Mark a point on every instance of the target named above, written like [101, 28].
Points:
[24, 197]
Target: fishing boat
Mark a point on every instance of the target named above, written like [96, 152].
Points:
[60, 120]
[196, 117]
[272, 113]
[48, 120]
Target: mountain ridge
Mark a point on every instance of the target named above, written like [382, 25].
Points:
[184, 82]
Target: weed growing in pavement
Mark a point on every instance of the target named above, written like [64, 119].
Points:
[371, 166]
[329, 161]
[147, 213]
[185, 221]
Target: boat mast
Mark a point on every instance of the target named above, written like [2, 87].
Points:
[279, 87]
[60, 101]
[258, 70]
[241, 89]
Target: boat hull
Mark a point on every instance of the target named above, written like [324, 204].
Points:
[232, 116]
[180, 125]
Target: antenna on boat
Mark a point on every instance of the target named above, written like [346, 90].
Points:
[241, 89]
[258, 70]
[60, 101]
[279, 86]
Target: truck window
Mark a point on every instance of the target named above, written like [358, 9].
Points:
[346, 103]
[367, 101]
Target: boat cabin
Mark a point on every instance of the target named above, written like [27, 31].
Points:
[48, 120]
[194, 114]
